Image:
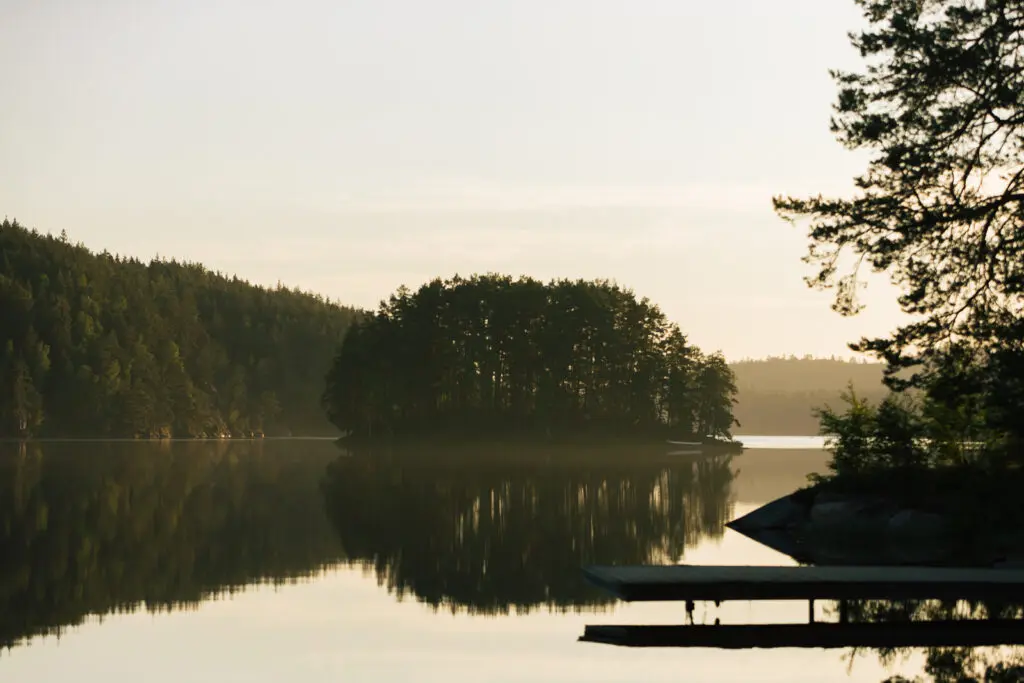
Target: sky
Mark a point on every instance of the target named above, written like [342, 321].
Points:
[349, 147]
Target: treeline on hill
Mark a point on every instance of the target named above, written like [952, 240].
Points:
[99, 345]
[778, 396]
[492, 353]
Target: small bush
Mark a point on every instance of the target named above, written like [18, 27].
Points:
[904, 433]
[866, 439]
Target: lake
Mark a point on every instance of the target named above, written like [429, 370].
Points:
[295, 560]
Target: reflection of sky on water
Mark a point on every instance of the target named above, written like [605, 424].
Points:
[786, 442]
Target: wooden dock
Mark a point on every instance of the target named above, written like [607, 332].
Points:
[869, 635]
[722, 583]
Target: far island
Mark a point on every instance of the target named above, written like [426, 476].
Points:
[492, 355]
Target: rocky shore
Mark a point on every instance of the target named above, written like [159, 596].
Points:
[816, 526]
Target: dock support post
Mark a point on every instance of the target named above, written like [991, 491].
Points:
[844, 613]
[810, 611]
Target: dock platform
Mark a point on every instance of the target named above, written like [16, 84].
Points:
[724, 583]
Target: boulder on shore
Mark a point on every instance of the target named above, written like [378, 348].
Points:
[781, 513]
[917, 523]
[840, 528]
[863, 514]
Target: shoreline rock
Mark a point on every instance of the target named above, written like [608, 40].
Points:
[841, 528]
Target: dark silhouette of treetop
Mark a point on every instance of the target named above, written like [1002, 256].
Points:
[493, 353]
[940, 105]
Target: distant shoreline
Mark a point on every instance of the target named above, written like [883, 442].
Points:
[748, 441]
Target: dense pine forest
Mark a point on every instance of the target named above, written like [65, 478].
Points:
[495, 353]
[100, 345]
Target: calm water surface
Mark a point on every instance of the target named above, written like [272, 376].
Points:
[297, 561]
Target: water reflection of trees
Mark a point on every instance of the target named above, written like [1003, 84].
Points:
[947, 664]
[94, 528]
[970, 665]
[490, 534]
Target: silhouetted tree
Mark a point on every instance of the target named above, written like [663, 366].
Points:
[490, 352]
[939, 105]
[941, 206]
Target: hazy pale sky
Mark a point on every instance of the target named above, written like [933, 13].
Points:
[351, 146]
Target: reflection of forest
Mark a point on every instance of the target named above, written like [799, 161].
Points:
[492, 533]
[949, 664]
[92, 528]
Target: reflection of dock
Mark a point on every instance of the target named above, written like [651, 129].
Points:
[720, 583]
[810, 583]
[893, 634]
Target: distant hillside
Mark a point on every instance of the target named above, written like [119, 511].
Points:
[99, 345]
[777, 396]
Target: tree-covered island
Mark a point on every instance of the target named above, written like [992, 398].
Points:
[492, 354]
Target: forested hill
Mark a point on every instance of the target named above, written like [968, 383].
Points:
[99, 345]
[490, 353]
[779, 395]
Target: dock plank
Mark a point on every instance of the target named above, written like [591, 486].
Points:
[722, 583]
